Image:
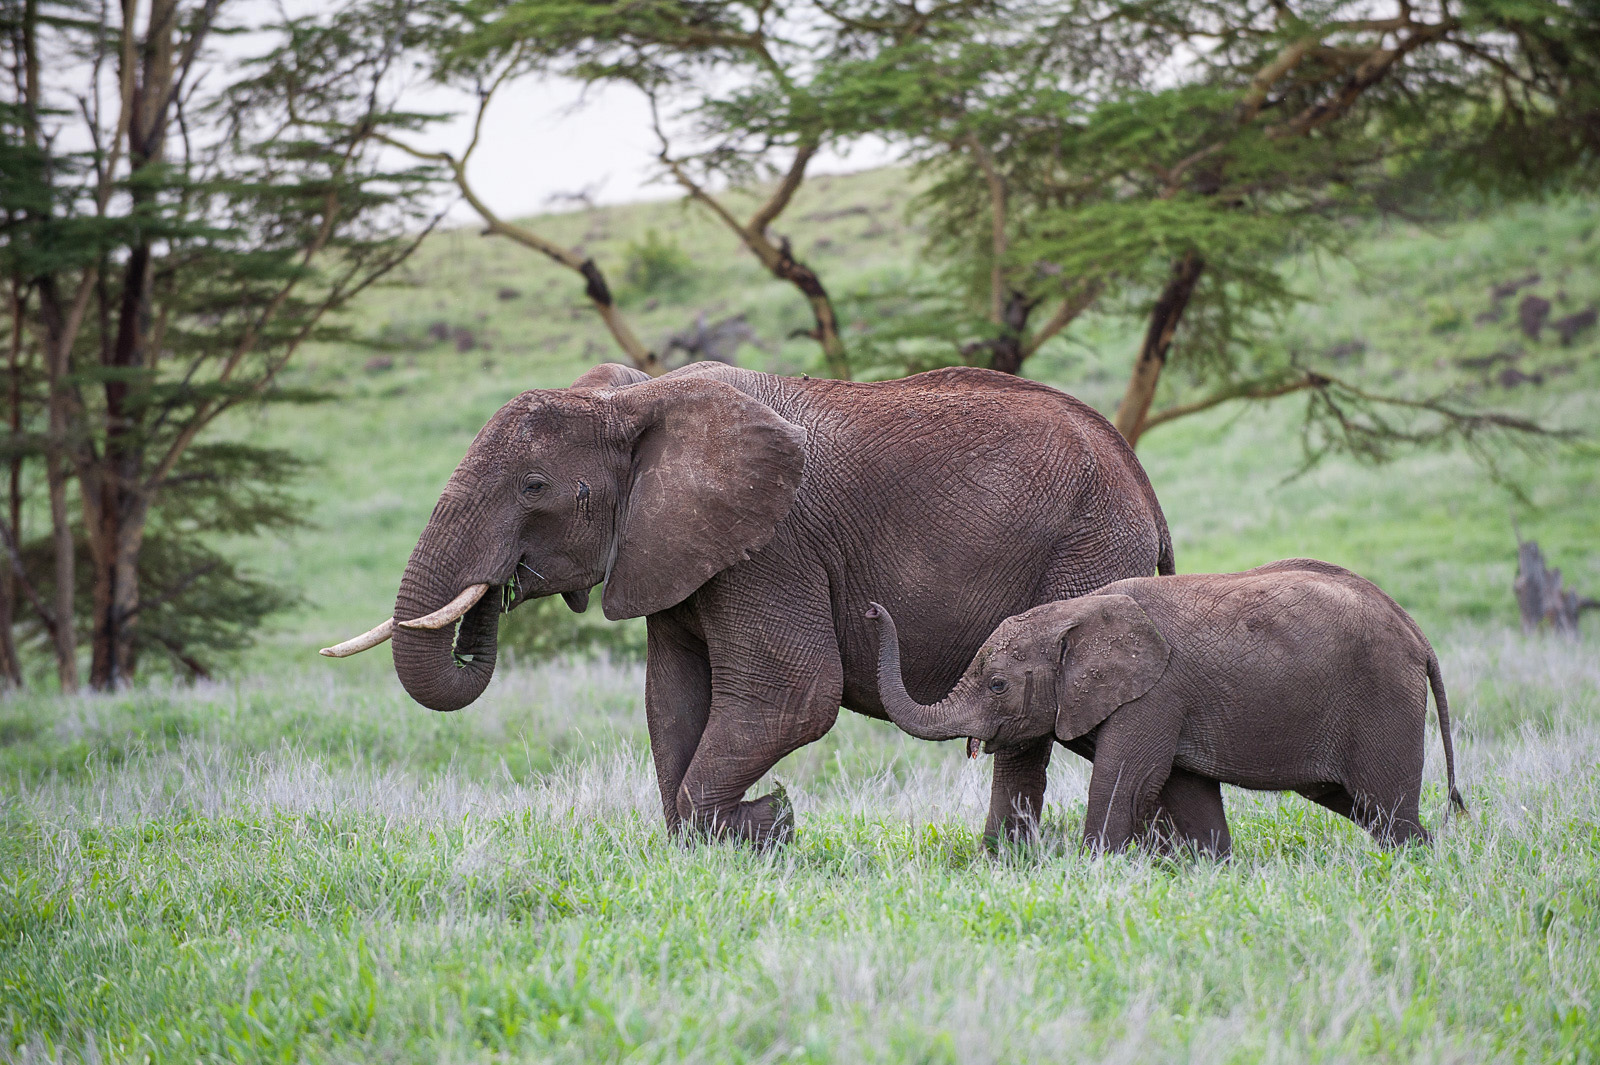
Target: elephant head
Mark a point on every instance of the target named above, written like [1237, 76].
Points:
[650, 486]
[1060, 668]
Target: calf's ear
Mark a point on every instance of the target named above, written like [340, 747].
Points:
[714, 471]
[1111, 654]
[611, 375]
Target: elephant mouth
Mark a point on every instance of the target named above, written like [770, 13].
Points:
[508, 594]
[525, 583]
[973, 746]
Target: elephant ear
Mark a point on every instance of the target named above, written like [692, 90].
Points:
[714, 472]
[1111, 653]
[610, 375]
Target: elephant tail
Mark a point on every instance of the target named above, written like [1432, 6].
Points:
[1436, 681]
[1166, 566]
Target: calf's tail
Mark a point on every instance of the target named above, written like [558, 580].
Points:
[1165, 565]
[1436, 682]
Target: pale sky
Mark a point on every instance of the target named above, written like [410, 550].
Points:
[539, 141]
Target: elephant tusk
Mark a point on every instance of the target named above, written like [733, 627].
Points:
[365, 642]
[450, 612]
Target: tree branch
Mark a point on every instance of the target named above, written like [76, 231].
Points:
[46, 615]
[1246, 390]
[1076, 302]
[779, 200]
[595, 287]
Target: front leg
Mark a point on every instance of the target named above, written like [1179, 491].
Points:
[677, 703]
[1132, 760]
[1016, 798]
[1189, 809]
[776, 682]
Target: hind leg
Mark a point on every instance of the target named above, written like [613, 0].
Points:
[1390, 823]
[1190, 812]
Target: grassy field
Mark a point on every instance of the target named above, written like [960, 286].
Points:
[314, 870]
[301, 864]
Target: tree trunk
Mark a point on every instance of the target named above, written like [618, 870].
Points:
[1006, 350]
[826, 331]
[10, 665]
[1164, 320]
[115, 524]
[1541, 598]
[60, 330]
[57, 361]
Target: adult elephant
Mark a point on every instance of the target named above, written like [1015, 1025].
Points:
[751, 519]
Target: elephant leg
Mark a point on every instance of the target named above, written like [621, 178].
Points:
[776, 683]
[1132, 761]
[677, 702]
[743, 740]
[1016, 797]
[1391, 824]
[1190, 812]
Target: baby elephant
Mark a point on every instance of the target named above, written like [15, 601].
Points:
[1298, 675]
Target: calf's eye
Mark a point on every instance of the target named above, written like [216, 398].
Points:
[533, 486]
[998, 685]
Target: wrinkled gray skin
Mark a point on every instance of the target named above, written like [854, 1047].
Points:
[748, 517]
[1297, 675]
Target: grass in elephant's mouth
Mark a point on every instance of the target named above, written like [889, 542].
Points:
[299, 870]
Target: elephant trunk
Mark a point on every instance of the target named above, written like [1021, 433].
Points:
[445, 668]
[944, 720]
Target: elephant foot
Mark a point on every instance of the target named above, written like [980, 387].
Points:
[1020, 831]
[764, 822]
[771, 817]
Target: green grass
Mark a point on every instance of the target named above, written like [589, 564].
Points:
[248, 884]
[301, 864]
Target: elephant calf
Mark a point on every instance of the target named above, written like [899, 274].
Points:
[1298, 675]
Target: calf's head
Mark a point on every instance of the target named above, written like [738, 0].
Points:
[1060, 669]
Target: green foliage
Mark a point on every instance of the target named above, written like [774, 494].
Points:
[657, 266]
[1081, 147]
[163, 268]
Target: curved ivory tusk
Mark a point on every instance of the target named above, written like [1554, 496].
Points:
[449, 612]
[365, 642]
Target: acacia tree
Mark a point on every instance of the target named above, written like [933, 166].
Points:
[1165, 155]
[683, 56]
[170, 245]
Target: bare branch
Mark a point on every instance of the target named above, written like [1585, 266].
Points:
[778, 202]
[1248, 390]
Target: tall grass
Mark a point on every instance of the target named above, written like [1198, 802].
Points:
[238, 886]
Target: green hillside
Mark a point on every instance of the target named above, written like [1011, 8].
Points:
[1398, 315]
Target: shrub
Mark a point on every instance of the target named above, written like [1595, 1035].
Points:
[542, 629]
[657, 266]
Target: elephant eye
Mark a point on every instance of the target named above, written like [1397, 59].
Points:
[533, 486]
[998, 685]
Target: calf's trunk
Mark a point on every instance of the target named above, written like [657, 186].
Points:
[947, 719]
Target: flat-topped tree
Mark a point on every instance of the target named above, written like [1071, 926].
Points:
[1165, 159]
